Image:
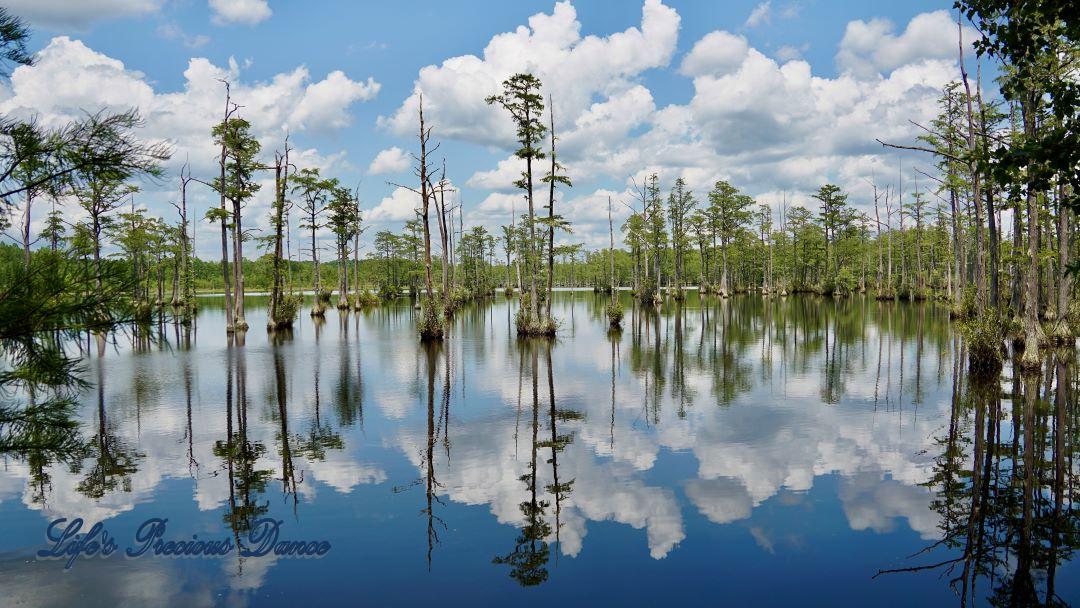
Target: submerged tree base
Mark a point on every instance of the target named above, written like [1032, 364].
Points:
[1058, 333]
[546, 328]
[1030, 363]
[430, 325]
[364, 300]
[527, 327]
[648, 298]
[284, 313]
[985, 339]
[614, 315]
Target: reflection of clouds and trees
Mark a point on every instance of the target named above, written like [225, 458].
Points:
[1004, 487]
[764, 396]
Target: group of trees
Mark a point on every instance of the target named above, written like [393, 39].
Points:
[985, 225]
[1018, 154]
[153, 255]
[320, 202]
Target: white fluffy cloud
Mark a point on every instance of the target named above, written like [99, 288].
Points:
[716, 52]
[325, 104]
[870, 47]
[248, 12]
[70, 79]
[57, 14]
[390, 160]
[399, 206]
[500, 179]
[575, 69]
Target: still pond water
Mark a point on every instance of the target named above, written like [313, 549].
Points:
[741, 452]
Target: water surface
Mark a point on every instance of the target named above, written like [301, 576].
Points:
[743, 451]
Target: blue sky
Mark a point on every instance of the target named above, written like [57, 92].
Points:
[791, 94]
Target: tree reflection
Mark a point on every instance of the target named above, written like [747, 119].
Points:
[247, 483]
[437, 426]
[349, 388]
[44, 435]
[557, 443]
[320, 435]
[289, 478]
[112, 462]
[528, 560]
[532, 551]
[1004, 483]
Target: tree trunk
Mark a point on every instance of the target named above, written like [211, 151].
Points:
[26, 230]
[238, 267]
[1031, 360]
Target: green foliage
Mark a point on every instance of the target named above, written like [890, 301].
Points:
[287, 309]
[647, 292]
[521, 98]
[13, 37]
[614, 314]
[1037, 40]
[46, 310]
[846, 283]
[366, 298]
[240, 165]
[521, 317]
[430, 324]
[79, 157]
[984, 337]
[966, 307]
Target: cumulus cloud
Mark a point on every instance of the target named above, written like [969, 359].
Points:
[325, 104]
[399, 206]
[402, 204]
[65, 14]
[70, 79]
[872, 47]
[766, 125]
[606, 124]
[716, 53]
[742, 125]
[390, 160]
[574, 68]
[247, 12]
